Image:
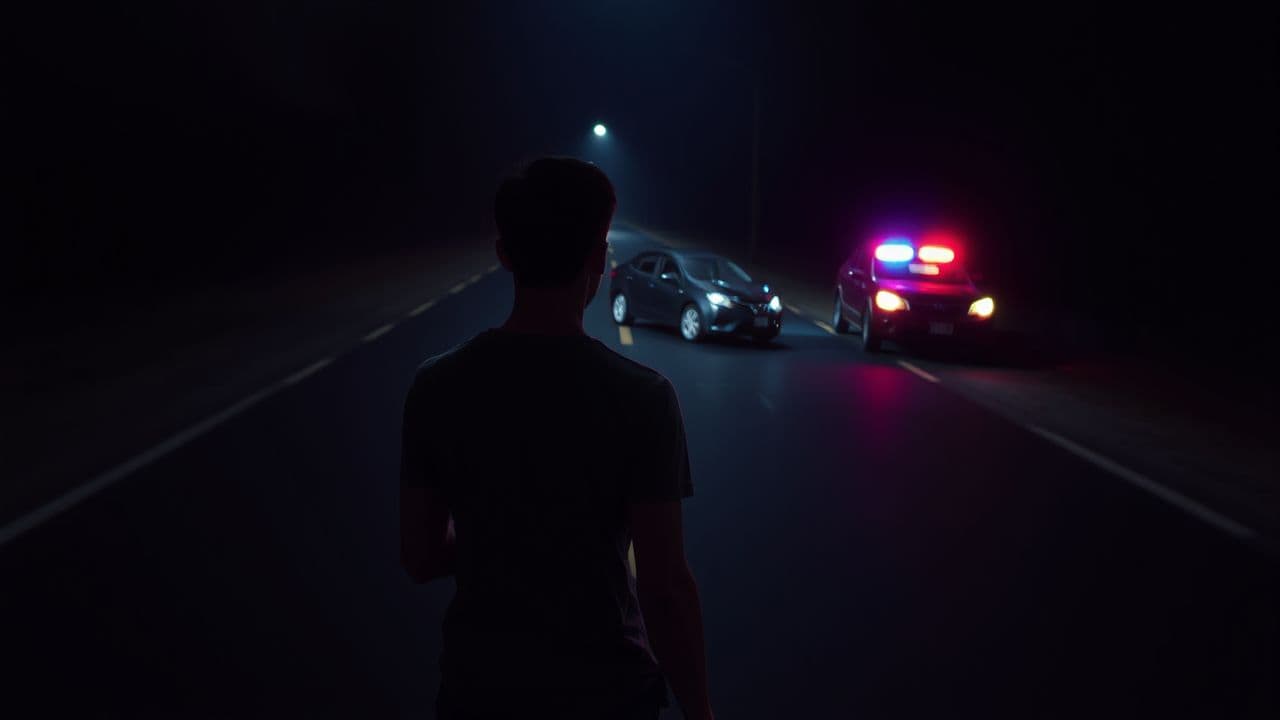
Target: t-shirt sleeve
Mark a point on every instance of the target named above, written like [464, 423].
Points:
[661, 470]
[415, 436]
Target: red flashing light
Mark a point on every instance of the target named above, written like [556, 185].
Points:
[936, 254]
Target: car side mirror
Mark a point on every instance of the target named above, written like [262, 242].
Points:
[670, 277]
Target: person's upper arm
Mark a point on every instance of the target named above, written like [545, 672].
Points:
[659, 468]
[424, 513]
[657, 532]
[660, 479]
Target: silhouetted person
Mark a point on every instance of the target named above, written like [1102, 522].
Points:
[533, 455]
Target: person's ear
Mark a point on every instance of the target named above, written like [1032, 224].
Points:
[502, 254]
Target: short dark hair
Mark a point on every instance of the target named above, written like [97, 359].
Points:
[550, 215]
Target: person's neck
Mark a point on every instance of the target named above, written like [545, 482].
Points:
[546, 311]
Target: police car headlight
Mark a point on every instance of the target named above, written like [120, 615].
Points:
[983, 307]
[775, 304]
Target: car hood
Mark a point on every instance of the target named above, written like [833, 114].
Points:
[752, 292]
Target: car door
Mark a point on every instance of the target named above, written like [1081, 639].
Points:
[668, 290]
[640, 285]
[855, 281]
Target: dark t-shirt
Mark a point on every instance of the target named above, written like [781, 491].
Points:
[536, 443]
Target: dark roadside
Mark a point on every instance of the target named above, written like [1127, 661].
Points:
[1199, 420]
[87, 391]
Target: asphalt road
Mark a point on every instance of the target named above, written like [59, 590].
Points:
[868, 543]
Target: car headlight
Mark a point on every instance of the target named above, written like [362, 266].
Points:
[890, 302]
[983, 307]
[719, 299]
[775, 304]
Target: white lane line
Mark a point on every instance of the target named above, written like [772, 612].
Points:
[422, 308]
[624, 334]
[765, 402]
[458, 288]
[918, 371]
[307, 371]
[475, 278]
[47, 512]
[825, 326]
[375, 334]
[43, 514]
[1172, 497]
[494, 267]
[795, 310]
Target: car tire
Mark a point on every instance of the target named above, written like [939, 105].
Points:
[620, 309]
[838, 320]
[870, 340]
[692, 327]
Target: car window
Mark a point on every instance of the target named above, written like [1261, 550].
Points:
[667, 265]
[647, 264]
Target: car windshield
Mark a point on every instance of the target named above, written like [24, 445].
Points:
[716, 270]
[952, 272]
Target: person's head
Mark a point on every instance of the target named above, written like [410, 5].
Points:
[553, 218]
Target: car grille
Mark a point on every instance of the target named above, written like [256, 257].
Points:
[938, 307]
[755, 308]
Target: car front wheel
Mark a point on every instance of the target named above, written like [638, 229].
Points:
[870, 340]
[837, 315]
[621, 310]
[691, 326]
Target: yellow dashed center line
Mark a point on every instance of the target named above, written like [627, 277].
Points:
[825, 326]
[624, 334]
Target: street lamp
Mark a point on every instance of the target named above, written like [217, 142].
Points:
[600, 130]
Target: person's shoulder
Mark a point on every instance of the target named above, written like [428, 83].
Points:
[439, 368]
[629, 374]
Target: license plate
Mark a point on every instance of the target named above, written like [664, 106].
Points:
[762, 322]
[941, 328]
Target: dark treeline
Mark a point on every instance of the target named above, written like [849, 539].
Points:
[1111, 160]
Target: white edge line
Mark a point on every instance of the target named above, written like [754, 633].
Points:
[307, 371]
[422, 308]
[921, 373]
[47, 512]
[83, 492]
[375, 334]
[1172, 497]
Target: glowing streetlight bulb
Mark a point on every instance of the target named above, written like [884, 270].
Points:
[600, 130]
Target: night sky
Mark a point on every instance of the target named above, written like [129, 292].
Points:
[1116, 161]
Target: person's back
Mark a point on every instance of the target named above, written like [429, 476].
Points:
[549, 451]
